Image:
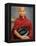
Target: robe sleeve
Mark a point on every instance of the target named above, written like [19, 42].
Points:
[16, 24]
[30, 30]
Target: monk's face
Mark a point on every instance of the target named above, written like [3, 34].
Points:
[21, 11]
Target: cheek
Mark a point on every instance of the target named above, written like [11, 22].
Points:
[21, 12]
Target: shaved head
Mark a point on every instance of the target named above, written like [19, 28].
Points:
[21, 8]
[21, 11]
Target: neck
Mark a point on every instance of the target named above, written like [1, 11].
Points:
[21, 16]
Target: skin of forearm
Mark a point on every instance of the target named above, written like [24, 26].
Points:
[17, 34]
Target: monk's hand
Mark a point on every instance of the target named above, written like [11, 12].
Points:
[24, 38]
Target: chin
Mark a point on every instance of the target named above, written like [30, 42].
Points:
[21, 15]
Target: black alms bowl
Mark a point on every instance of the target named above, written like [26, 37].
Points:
[23, 31]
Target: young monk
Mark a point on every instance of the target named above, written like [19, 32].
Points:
[22, 21]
